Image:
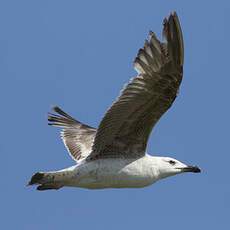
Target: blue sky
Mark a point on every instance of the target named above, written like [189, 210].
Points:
[78, 55]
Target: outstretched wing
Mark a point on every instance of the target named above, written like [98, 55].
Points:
[77, 137]
[126, 126]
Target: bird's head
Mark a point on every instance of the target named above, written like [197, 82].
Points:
[168, 166]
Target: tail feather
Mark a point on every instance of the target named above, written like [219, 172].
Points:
[44, 181]
[36, 178]
[48, 187]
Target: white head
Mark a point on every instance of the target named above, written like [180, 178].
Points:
[168, 166]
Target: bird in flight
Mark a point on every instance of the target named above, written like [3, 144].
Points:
[114, 155]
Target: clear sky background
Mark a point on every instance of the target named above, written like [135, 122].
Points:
[78, 55]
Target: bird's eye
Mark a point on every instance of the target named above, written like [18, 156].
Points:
[172, 162]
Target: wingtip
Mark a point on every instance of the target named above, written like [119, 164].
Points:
[172, 32]
[59, 111]
[173, 13]
[56, 109]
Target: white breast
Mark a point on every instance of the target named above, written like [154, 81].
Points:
[115, 173]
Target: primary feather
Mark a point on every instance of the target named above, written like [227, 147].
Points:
[77, 137]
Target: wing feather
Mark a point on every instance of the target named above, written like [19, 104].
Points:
[126, 126]
[77, 137]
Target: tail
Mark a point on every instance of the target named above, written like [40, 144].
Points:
[45, 181]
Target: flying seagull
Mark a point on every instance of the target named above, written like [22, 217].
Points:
[114, 155]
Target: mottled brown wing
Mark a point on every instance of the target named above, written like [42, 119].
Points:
[126, 126]
[77, 137]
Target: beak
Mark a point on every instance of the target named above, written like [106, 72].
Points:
[193, 169]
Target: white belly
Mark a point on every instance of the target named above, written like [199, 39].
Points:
[114, 173]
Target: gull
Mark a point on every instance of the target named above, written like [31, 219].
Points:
[114, 155]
